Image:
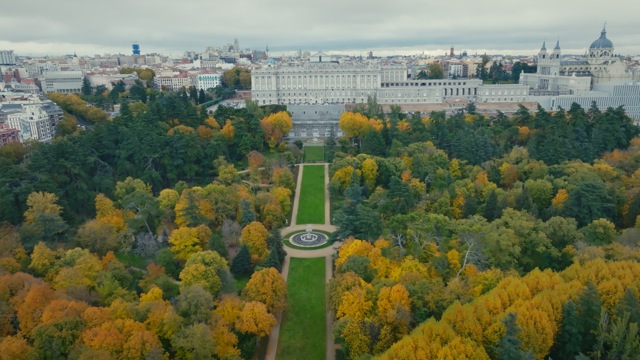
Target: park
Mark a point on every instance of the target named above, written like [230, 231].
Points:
[305, 327]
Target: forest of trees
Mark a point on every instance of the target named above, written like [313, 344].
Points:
[505, 237]
[116, 241]
[465, 236]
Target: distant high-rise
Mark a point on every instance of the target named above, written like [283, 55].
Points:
[136, 49]
[7, 57]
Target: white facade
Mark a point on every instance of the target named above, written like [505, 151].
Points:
[35, 116]
[32, 122]
[174, 82]
[322, 82]
[207, 81]
[108, 80]
[64, 82]
[503, 93]
[37, 69]
[598, 77]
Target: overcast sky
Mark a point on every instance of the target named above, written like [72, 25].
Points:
[39, 27]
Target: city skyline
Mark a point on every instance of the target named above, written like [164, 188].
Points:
[353, 28]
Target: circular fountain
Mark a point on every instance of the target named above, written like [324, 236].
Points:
[309, 238]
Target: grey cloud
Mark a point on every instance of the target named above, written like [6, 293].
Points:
[175, 26]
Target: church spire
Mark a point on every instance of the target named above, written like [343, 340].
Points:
[543, 51]
[556, 50]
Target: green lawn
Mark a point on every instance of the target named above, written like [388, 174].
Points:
[313, 153]
[303, 329]
[311, 206]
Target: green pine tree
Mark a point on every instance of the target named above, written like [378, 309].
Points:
[274, 242]
[241, 264]
[589, 307]
[86, 87]
[492, 208]
[248, 215]
[509, 346]
[272, 260]
[629, 304]
[568, 339]
[216, 244]
[373, 144]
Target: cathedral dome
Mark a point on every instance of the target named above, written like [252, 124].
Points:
[602, 42]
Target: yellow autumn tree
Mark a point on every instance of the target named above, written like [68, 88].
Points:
[283, 195]
[508, 174]
[343, 176]
[454, 168]
[561, 197]
[255, 319]
[187, 241]
[167, 199]
[268, 287]
[369, 173]
[354, 125]
[255, 237]
[39, 204]
[394, 306]
[228, 131]
[355, 304]
[458, 204]
[202, 268]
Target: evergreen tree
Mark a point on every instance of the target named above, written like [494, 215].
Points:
[373, 143]
[589, 307]
[241, 264]
[568, 340]
[524, 202]
[418, 129]
[202, 97]
[400, 197]
[216, 244]
[273, 261]
[509, 346]
[492, 208]
[138, 92]
[470, 206]
[629, 304]
[274, 242]
[86, 87]
[193, 94]
[589, 201]
[247, 214]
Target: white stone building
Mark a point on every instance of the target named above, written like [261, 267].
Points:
[35, 116]
[207, 81]
[64, 82]
[175, 82]
[107, 80]
[31, 120]
[598, 77]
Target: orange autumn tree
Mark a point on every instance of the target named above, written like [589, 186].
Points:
[275, 127]
[228, 131]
